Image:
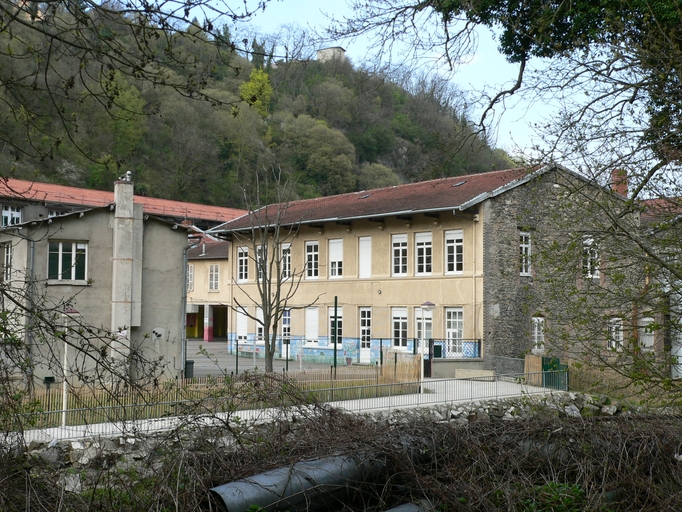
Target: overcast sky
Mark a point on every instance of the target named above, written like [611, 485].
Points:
[485, 69]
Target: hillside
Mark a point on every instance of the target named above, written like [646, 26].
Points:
[330, 126]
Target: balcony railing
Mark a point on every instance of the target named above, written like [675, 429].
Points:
[454, 348]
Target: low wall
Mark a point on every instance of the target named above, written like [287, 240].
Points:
[458, 369]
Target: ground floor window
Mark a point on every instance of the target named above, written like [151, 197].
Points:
[335, 324]
[454, 330]
[365, 327]
[399, 319]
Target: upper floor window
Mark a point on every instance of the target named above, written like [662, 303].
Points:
[399, 245]
[537, 333]
[261, 261]
[423, 253]
[214, 278]
[335, 258]
[454, 252]
[67, 261]
[312, 259]
[8, 252]
[615, 341]
[646, 333]
[590, 261]
[365, 257]
[190, 278]
[286, 261]
[525, 253]
[11, 215]
[242, 264]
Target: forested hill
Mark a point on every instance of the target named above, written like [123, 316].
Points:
[330, 126]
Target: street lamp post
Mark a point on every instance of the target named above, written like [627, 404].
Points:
[428, 307]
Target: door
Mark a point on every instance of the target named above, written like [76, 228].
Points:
[365, 335]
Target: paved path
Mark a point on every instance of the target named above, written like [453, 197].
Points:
[435, 392]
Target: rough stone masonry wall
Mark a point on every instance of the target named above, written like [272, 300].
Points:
[509, 299]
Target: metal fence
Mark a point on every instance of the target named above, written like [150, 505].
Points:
[352, 398]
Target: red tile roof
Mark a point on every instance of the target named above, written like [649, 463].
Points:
[660, 209]
[73, 196]
[443, 194]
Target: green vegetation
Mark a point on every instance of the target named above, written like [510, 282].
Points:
[212, 120]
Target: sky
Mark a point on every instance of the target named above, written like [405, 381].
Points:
[484, 70]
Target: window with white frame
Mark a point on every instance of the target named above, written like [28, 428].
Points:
[311, 325]
[424, 322]
[260, 329]
[67, 261]
[590, 262]
[525, 253]
[423, 248]
[399, 248]
[261, 261]
[286, 261]
[214, 278]
[11, 215]
[336, 324]
[312, 259]
[454, 251]
[242, 326]
[399, 320]
[335, 258]
[286, 326]
[615, 341]
[7, 251]
[454, 331]
[190, 278]
[646, 333]
[365, 257]
[365, 327]
[537, 333]
[242, 264]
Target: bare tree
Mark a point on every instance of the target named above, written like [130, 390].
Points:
[268, 238]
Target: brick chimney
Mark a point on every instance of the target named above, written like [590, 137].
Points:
[619, 182]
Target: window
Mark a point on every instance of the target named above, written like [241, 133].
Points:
[260, 329]
[243, 264]
[336, 327]
[590, 258]
[286, 326]
[190, 278]
[261, 261]
[311, 321]
[242, 325]
[424, 331]
[312, 260]
[213, 278]
[11, 215]
[335, 258]
[646, 333]
[615, 341]
[365, 327]
[399, 318]
[424, 253]
[454, 330]
[537, 333]
[454, 252]
[524, 253]
[286, 261]
[365, 257]
[67, 261]
[8, 251]
[399, 243]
